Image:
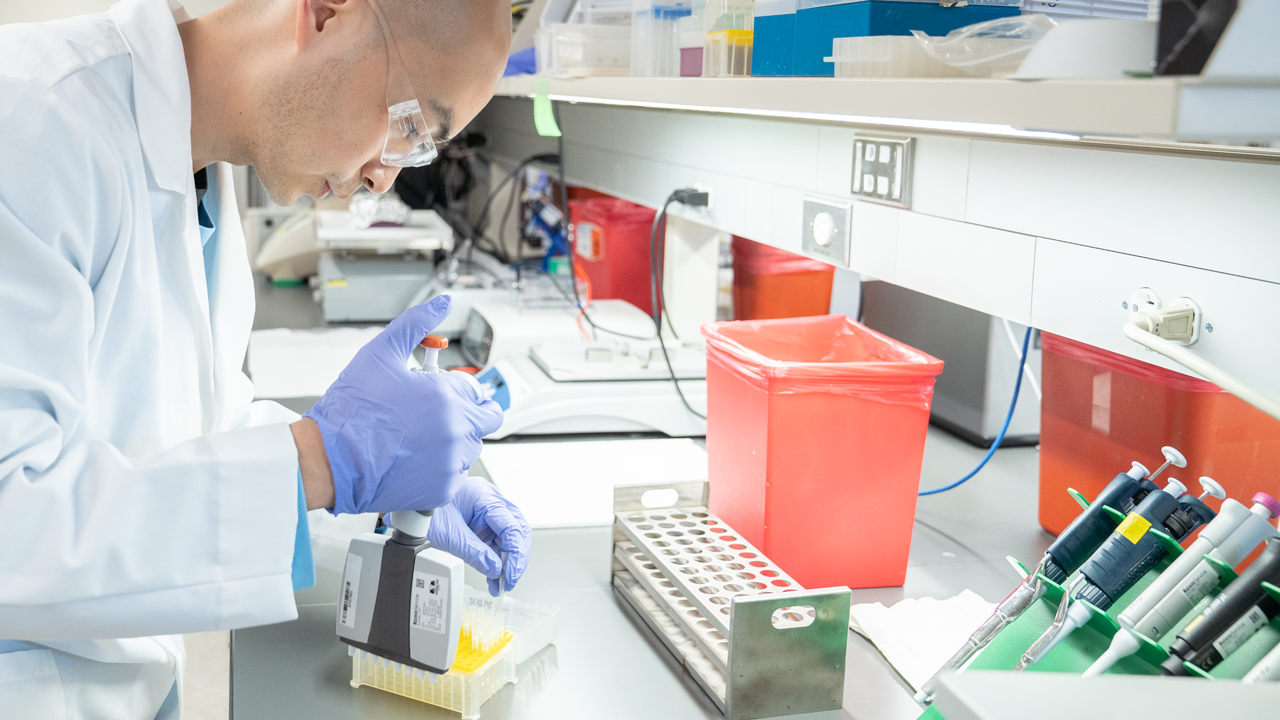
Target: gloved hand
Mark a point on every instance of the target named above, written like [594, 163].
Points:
[398, 439]
[477, 526]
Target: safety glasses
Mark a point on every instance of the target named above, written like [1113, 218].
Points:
[409, 142]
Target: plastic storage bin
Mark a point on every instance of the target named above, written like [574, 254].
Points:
[815, 435]
[886, 56]
[1101, 411]
[655, 36]
[820, 22]
[775, 36]
[771, 283]
[728, 25]
[611, 238]
[583, 50]
[727, 53]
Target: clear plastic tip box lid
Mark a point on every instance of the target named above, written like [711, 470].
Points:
[482, 668]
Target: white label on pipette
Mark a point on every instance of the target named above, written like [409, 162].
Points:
[1240, 631]
[1198, 584]
[429, 594]
[350, 589]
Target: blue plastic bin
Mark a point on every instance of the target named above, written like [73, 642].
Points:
[775, 38]
[819, 22]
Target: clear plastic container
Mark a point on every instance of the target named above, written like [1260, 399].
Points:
[477, 673]
[655, 36]
[583, 50]
[727, 53]
[533, 625]
[729, 39]
[461, 692]
[886, 56]
[605, 12]
[691, 38]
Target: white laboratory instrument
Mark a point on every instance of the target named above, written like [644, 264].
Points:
[293, 250]
[469, 276]
[498, 330]
[566, 387]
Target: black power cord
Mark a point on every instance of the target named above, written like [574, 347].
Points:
[691, 197]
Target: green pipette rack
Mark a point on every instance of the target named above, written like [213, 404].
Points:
[1079, 650]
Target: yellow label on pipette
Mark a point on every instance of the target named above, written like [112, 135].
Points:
[1134, 527]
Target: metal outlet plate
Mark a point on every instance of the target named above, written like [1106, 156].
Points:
[826, 230]
[705, 559]
[882, 169]
[673, 602]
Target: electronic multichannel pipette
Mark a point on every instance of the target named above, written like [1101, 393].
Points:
[1239, 611]
[1228, 539]
[1123, 559]
[1073, 547]
[402, 600]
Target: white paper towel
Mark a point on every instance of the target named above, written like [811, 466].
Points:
[918, 636]
[302, 363]
[570, 484]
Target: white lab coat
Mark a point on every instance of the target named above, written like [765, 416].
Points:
[142, 492]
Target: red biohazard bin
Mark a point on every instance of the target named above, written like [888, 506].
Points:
[815, 435]
[772, 283]
[611, 238]
[1101, 411]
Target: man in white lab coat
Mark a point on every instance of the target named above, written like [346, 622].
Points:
[142, 492]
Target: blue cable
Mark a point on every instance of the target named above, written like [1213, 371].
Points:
[1022, 363]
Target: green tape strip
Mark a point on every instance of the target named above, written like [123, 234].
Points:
[544, 119]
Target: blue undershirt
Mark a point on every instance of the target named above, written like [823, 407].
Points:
[303, 571]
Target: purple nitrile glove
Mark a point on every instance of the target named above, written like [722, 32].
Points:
[398, 439]
[478, 525]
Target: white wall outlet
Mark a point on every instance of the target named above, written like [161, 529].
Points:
[882, 169]
[826, 230]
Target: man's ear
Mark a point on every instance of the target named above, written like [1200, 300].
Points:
[313, 16]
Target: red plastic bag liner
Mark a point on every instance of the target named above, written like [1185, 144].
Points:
[1112, 361]
[815, 436]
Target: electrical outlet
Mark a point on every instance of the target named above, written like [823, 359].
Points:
[826, 230]
[882, 169]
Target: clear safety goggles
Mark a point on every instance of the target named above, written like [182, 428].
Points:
[409, 142]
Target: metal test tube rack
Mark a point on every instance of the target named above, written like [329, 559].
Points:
[752, 638]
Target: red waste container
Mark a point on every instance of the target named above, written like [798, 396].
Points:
[1101, 411]
[772, 283]
[611, 238]
[815, 435]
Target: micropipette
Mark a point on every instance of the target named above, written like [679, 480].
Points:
[1228, 539]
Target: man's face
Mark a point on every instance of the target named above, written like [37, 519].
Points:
[325, 117]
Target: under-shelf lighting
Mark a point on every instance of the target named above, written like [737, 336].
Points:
[935, 125]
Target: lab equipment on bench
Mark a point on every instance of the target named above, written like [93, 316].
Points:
[498, 330]
[1068, 552]
[1224, 542]
[708, 595]
[579, 386]
[655, 36]
[293, 250]
[469, 276]
[1239, 611]
[1124, 559]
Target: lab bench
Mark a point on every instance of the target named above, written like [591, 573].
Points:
[606, 663]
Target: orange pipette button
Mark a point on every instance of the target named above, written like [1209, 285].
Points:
[435, 341]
